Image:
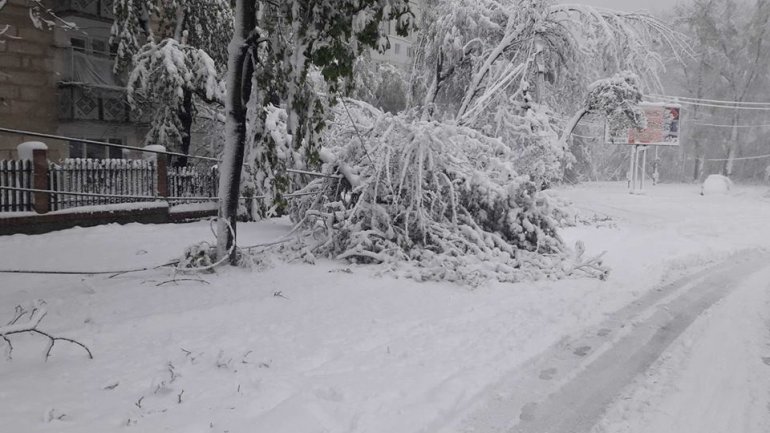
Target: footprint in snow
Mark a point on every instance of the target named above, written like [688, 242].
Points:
[582, 350]
[548, 373]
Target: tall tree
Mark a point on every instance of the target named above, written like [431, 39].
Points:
[732, 46]
[280, 45]
[173, 51]
[484, 63]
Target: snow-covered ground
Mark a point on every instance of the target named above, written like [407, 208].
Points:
[330, 347]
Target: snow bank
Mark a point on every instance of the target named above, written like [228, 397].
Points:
[334, 346]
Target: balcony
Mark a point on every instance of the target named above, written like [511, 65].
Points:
[89, 90]
[92, 8]
[78, 66]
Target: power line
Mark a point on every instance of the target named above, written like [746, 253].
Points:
[101, 143]
[729, 107]
[715, 101]
[740, 158]
[725, 125]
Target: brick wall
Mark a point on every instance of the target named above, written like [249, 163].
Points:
[27, 79]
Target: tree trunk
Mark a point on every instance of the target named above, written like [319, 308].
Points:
[732, 146]
[571, 127]
[186, 118]
[235, 128]
[699, 160]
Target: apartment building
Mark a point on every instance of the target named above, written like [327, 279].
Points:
[61, 82]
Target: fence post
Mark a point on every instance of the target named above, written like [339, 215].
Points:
[37, 152]
[161, 167]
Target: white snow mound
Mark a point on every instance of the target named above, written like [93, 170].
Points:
[25, 149]
[716, 184]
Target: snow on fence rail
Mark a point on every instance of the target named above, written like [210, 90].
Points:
[15, 174]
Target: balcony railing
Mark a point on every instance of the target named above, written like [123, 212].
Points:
[88, 68]
[96, 8]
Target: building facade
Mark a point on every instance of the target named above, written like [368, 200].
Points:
[61, 82]
[402, 49]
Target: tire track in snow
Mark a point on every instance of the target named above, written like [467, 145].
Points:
[568, 388]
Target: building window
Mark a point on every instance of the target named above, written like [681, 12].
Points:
[397, 48]
[410, 52]
[78, 44]
[78, 149]
[115, 152]
[99, 46]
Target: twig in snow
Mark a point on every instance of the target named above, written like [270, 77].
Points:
[138, 403]
[179, 397]
[176, 280]
[279, 294]
[33, 319]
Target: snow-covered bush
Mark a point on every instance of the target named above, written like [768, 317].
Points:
[442, 195]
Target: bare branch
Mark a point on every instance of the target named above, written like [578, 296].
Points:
[34, 317]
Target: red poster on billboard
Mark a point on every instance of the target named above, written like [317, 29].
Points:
[662, 127]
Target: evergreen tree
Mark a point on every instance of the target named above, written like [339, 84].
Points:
[173, 51]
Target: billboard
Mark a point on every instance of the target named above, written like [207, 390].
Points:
[662, 127]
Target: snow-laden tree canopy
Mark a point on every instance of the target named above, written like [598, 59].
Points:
[518, 69]
[275, 48]
[205, 24]
[174, 52]
[472, 50]
[172, 72]
[304, 53]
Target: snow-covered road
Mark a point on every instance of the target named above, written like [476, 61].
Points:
[570, 387]
[715, 378]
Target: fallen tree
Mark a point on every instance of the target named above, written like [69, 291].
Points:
[442, 196]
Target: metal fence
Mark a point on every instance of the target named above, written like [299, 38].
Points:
[190, 184]
[92, 182]
[16, 174]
